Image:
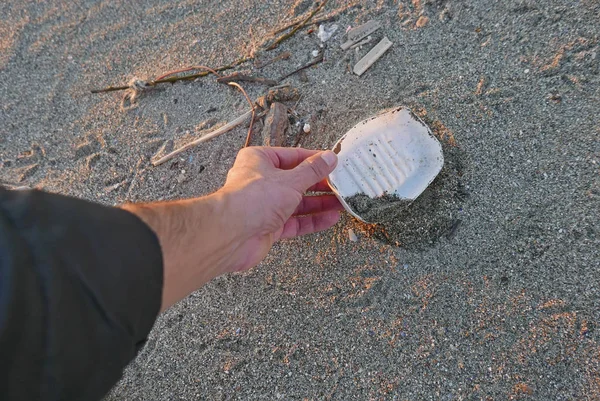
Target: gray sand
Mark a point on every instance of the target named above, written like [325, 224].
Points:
[504, 305]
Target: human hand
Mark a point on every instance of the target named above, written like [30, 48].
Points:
[263, 200]
[267, 188]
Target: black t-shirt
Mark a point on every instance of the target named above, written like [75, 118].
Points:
[80, 288]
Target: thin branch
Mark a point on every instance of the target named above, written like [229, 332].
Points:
[317, 60]
[177, 78]
[249, 135]
[220, 131]
[197, 67]
[236, 76]
[326, 17]
[291, 33]
[323, 18]
[282, 56]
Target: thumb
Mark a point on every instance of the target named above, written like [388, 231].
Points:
[312, 170]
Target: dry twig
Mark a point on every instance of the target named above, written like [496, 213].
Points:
[176, 78]
[224, 129]
[187, 69]
[325, 17]
[282, 56]
[291, 33]
[236, 76]
[249, 135]
[317, 60]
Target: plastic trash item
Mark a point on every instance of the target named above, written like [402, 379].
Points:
[325, 32]
[393, 154]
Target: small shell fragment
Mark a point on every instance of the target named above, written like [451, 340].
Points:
[352, 236]
[306, 128]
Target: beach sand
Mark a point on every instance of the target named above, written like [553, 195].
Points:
[488, 290]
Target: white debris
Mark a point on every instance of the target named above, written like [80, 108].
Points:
[358, 33]
[372, 56]
[351, 236]
[362, 42]
[306, 128]
[326, 32]
[315, 53]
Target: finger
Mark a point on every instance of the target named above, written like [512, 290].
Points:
[312, 170]
[321, 186]
[288, 158]
[318, 204]
[312, 223]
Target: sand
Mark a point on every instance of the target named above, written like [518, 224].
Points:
[498, 294]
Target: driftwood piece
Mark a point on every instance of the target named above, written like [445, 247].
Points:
[276, 124]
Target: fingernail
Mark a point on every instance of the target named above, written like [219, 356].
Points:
[329, 157]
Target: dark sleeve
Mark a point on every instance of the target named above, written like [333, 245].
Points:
[80, 288]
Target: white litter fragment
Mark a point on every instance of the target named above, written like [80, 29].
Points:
[315, 53]
[372, 56]
[325, 32]
[362, 42]
[306, 128]
[352, 236]
[360, 32]
[394, 153]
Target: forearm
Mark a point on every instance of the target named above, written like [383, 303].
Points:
[199, 239]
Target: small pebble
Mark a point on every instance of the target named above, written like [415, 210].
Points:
[352, 236]
[315, 53]
[306, 128]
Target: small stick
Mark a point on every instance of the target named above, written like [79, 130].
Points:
[291, 33]
[299, 137]
[220, 131]
[317, 60]
[196, 67]
[323, 18]
[254, 118]
[294, 23]
[297, 103]
[236, 76]
[282, 56]
[249, 134]
[175, 79]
